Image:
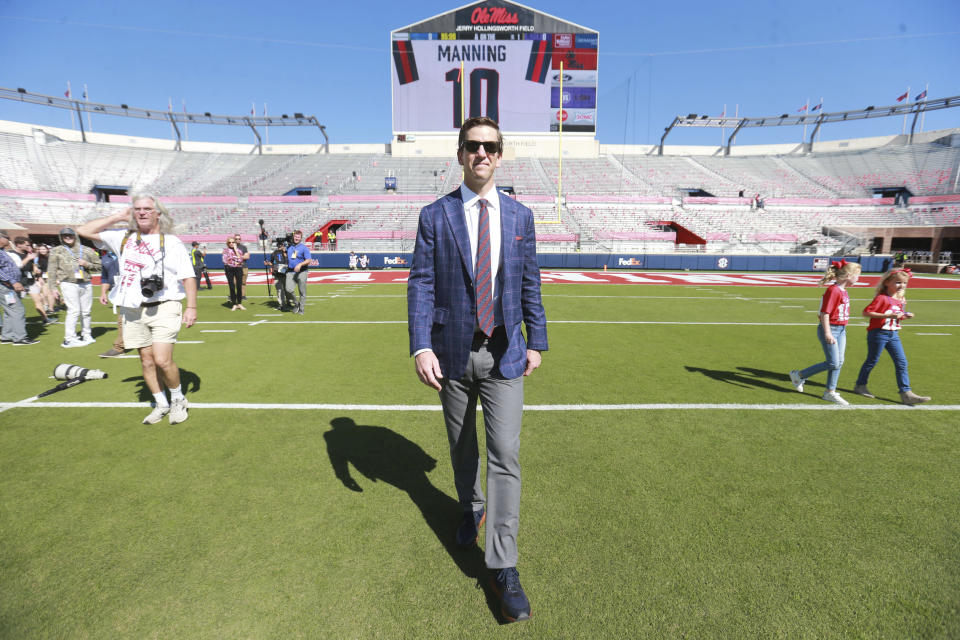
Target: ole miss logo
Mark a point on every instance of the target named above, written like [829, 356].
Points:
[493, 15]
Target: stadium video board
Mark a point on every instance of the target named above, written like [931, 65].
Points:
[496, 59]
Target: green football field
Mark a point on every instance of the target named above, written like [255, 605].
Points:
[675, 484]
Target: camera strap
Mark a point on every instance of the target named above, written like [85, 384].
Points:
[163, 251]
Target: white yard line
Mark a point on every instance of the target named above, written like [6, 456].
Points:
[30, 404]
[662, 322]
[12, 405]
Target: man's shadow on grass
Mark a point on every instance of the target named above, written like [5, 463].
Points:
[189, 383]
[380, 454]
[749, 378]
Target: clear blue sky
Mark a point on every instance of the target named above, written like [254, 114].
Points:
[331, 59]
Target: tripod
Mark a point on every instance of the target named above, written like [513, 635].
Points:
[263, 249]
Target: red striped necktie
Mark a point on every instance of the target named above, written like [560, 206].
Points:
[483, 282]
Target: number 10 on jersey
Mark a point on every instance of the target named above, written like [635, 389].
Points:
[477, 77]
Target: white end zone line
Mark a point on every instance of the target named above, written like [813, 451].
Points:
[30, 403]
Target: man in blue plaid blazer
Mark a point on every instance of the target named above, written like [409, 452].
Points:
[466, 357]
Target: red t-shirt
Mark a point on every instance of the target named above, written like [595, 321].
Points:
[836, 304]
[882, 304]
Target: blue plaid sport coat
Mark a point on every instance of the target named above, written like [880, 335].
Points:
[441, 302]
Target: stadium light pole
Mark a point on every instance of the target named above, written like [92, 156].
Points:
[257, 134]
[726, 150]
[176, 131]
[83, 133]
[816, 130]
[666, 132]
[125, 111]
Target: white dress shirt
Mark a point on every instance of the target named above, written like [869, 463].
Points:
[471, 209]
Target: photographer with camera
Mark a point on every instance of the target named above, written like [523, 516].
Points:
[277, 262]
[298, 264]
[155, 276]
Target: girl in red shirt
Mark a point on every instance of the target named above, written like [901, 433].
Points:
[832, 329]
[885, 312]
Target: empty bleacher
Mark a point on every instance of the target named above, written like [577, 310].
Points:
[608, 202]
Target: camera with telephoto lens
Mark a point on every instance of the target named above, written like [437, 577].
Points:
[73, 371]
[150, 286]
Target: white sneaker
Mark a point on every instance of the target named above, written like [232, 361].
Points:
[796, 380]
[156, 415]
[86, 339]
[70, 343]
[833, 396]
[178, 411]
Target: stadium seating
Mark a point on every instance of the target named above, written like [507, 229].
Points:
[608, 203]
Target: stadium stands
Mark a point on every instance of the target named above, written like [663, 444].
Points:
[613, 202]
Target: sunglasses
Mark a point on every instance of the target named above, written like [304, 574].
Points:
[472, 146]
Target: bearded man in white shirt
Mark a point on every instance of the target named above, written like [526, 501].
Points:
[156, 276]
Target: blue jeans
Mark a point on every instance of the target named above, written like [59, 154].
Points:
[834, 354]
[877, 341]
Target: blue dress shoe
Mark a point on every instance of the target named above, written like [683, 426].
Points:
[469, 530]
[514, 605]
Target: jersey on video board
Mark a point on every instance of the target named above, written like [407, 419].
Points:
[491, 63]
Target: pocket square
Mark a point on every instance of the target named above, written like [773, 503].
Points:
[518, 237]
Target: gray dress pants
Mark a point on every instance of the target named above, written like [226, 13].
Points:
[502, 404]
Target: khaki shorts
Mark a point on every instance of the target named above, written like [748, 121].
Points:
[145, 325]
